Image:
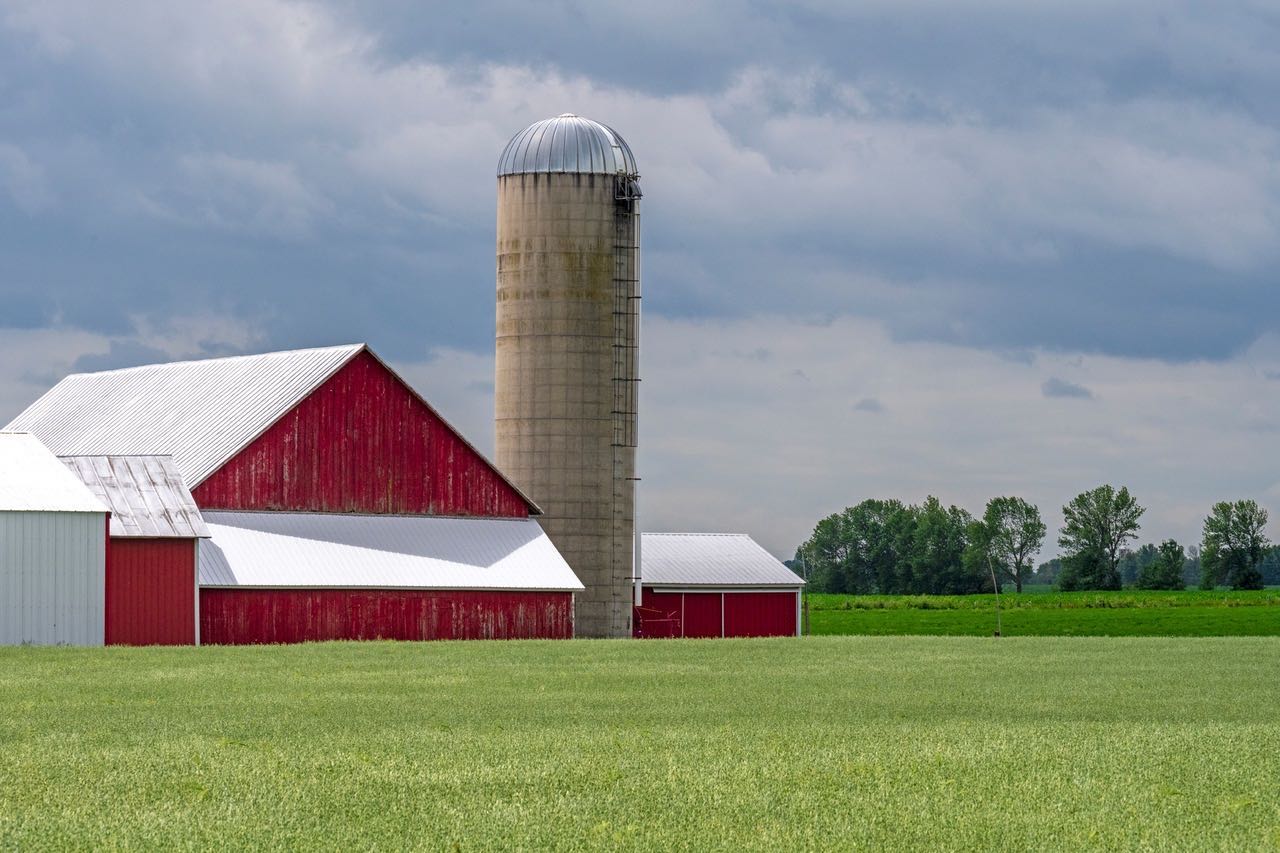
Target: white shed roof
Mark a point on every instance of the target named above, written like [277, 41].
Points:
[200, 412]
[710, 559]
[33, 480]
[272, 549]
[145, 493]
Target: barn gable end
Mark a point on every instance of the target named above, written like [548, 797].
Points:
[361, 442]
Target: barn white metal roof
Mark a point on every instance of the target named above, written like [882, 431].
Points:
[33, 480]
[567, 143]
[145, 493]
[199, 412]
[202, 413]
[271, 549]
[710, 559]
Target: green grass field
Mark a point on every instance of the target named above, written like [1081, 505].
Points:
[822, 742]
[1192, 613]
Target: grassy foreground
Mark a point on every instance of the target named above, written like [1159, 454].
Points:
[1141, 613]
[840, 742]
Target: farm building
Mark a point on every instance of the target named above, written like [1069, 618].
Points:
[273, 577]
[307, 454]
[53, 549]
[151, 583]
[714, 585]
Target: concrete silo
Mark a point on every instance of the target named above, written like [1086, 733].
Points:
[568, 259]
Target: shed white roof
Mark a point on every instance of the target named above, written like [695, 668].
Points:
[710, 559]
[33, 480]
[271, 549]
[145, 493]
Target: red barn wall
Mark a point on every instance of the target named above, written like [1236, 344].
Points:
[151, 592]
[715, 614]
[760, 614]
[361, 442]
[240, 616]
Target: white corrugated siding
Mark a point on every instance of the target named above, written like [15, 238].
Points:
[270, 549]
[33, 480]
[52, 578]
[712, 560]
[199, 412]
[145, 493]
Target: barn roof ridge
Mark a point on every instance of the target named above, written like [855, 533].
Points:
[689, 533]
[691, 559]
[353, 348]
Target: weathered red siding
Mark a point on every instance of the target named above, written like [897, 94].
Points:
[151, 592]
[698, 614]
[361, 442]
[240, 616]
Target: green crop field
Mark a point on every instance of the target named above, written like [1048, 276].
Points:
[1191, 613]
[821, 742]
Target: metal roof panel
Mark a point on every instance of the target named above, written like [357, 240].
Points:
[145, 493]
[275, 549]
[33, 480]
[199, 412]
[567, 144]
[710, 559]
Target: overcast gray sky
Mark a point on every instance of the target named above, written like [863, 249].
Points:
[890, 249]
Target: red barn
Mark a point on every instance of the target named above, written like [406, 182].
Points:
[328, 437]
[155, 531]
[714, 585]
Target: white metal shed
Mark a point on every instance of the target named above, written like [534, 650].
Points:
[53, 549]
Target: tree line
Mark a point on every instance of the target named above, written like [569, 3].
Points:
[889, 547]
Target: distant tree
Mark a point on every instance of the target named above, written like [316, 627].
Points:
[980, 559]
[859, 550]
[1165, 571]
[1098, 524]
[1087, 569]
[828, 552]
[1047, 572]
[1014, 533]
[935, 552]
[1270, 566]
[1233, 545]
[887, 547]
[1133, 562]
[1191, 571]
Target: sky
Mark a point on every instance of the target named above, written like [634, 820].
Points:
[889, 249]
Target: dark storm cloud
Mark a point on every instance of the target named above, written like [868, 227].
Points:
[868, 404]
[1004, 176]
[1055, 387]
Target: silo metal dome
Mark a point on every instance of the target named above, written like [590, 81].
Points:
[567, 144]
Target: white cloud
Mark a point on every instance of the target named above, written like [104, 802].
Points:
[774, 153]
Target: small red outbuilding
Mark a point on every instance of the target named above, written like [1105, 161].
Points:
[152, 596]
[714, 585]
